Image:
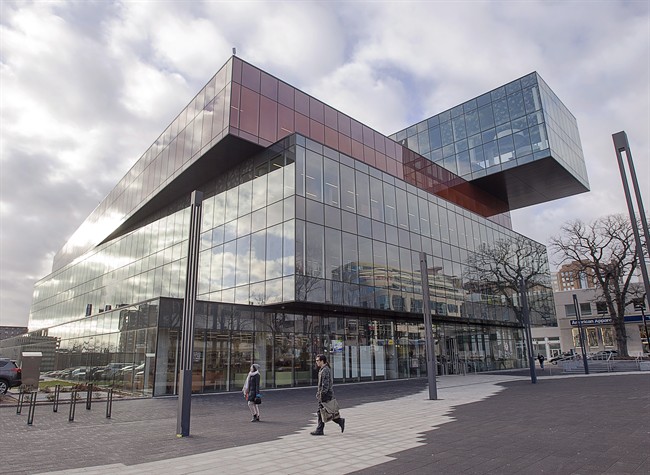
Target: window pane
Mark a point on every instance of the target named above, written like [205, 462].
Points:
[350, 258]
[348, 198]
[363, 194]
[314, 250]
[331, 189]
[333, 257]
[314, 176]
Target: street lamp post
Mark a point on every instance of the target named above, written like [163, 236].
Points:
[432, 364]
[581, 333]
[187, 325]
[525, 310]
[639, 304]
[622, 146]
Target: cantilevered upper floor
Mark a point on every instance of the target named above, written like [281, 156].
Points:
[517, 142]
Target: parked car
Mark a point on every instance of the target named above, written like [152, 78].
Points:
[569, 355]
[603, 355]
[113, 370]
[10, 375]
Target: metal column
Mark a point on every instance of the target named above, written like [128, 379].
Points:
[432, 364]
[621, 145]
[581, 332]
[187, 326]
[525, 310]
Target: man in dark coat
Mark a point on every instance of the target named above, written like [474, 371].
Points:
[325, 394]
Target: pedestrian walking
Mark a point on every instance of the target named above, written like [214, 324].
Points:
[540, 358]
[328, 408]
[252, 392]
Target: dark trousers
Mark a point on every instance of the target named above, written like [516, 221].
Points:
[321, 423]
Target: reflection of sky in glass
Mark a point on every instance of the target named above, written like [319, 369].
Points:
[509, 126]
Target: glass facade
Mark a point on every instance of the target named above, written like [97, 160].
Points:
[512, 125]
[306, 246]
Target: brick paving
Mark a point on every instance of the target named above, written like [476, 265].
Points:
[576, 425]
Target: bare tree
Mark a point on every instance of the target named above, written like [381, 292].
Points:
[606, 249]
[497, 269]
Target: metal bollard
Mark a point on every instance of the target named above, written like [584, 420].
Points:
[89, 396]
[57, 393]
[32, 408]
[19, 407]
[73, 404]
[109, 403]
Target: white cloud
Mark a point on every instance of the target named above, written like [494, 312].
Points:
[87, 87]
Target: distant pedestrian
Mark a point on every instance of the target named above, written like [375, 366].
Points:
[252, 391]
[325, 397]
[540, 358]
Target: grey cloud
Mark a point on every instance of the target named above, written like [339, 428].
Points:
[386, 63]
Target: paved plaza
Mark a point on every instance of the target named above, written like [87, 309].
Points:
[481, 424]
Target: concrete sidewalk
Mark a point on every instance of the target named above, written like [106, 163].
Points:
[483, 424]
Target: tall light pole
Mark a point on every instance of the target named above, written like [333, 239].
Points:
[581, 332]
[525, 311]
[432, 364]
[187, 325]
[639, 304]
[622, 146]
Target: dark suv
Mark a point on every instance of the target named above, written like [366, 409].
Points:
[10, 375]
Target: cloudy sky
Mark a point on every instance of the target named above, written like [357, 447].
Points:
[87, 86]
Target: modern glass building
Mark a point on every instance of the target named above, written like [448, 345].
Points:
[312, 225]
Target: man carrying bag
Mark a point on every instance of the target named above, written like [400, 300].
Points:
[328, 408]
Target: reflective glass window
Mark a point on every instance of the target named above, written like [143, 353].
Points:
[446, 133]
[500, 108]
[243, 260]
[288, 248]
[363, 194]
[232, 198]
[376, 199]
[314, 248]
[258, 257]
[516, 106]
[275, 181]
[402, 208]
[331, 182]
[314, 176]
[274, 213]
[390, 203]
[350, 258]
[229, 261]
[348, 194]
[274, 238]
[332, 217]
[435, 139]
[259, 192]
[333, 254]
[413, 213]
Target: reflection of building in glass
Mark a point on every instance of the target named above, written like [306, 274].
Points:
[312, 225]
[8, 332]
[572, 276]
